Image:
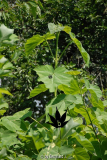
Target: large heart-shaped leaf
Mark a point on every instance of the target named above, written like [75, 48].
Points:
[52, 78]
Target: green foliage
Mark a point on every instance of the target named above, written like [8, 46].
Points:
[84, 136]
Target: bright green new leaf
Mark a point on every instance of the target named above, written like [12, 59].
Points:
[2, 112]
[52, 78]
[3, 105]
[85, 55]
[73, 72]
[73, 89]
[55, 28]
[2, 90]
[36, 40]
[40, 88]
[67, 29]
[81, 154]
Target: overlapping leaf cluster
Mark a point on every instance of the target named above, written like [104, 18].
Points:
[77, 139]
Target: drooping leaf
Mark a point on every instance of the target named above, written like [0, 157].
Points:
[84, 54]
[67, 29]
[52, 78]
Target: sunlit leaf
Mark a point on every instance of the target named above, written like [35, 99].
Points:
[37, 90]
[52, 78]
[81, 154]
[36, 40]
[2, 90]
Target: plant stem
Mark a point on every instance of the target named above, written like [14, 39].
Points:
[64, 50]
[60, 133]
[49, 48]
[39, 123]
[56, 55]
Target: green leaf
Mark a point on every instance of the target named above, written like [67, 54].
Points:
[52, 78]
[68, 129]
[67, 29]
[15, 55]
[3, 105]
[73, 89]
[10, 125]
[34, 8]
[81, 110]
[85, 55]
[65, 150]
[62, 102]
[8, 138]
[73, 72]
[37, 40]
[21, 115]
[7, 65]
[3, 152]
[2, 112]
[96, 89]
[67, 99]
[12, 38]
[2, 90]
[85, 143]
[81, 154]
[105, 102]
[40, 88]
[5, 32]
[53, 153]
[55, 28]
